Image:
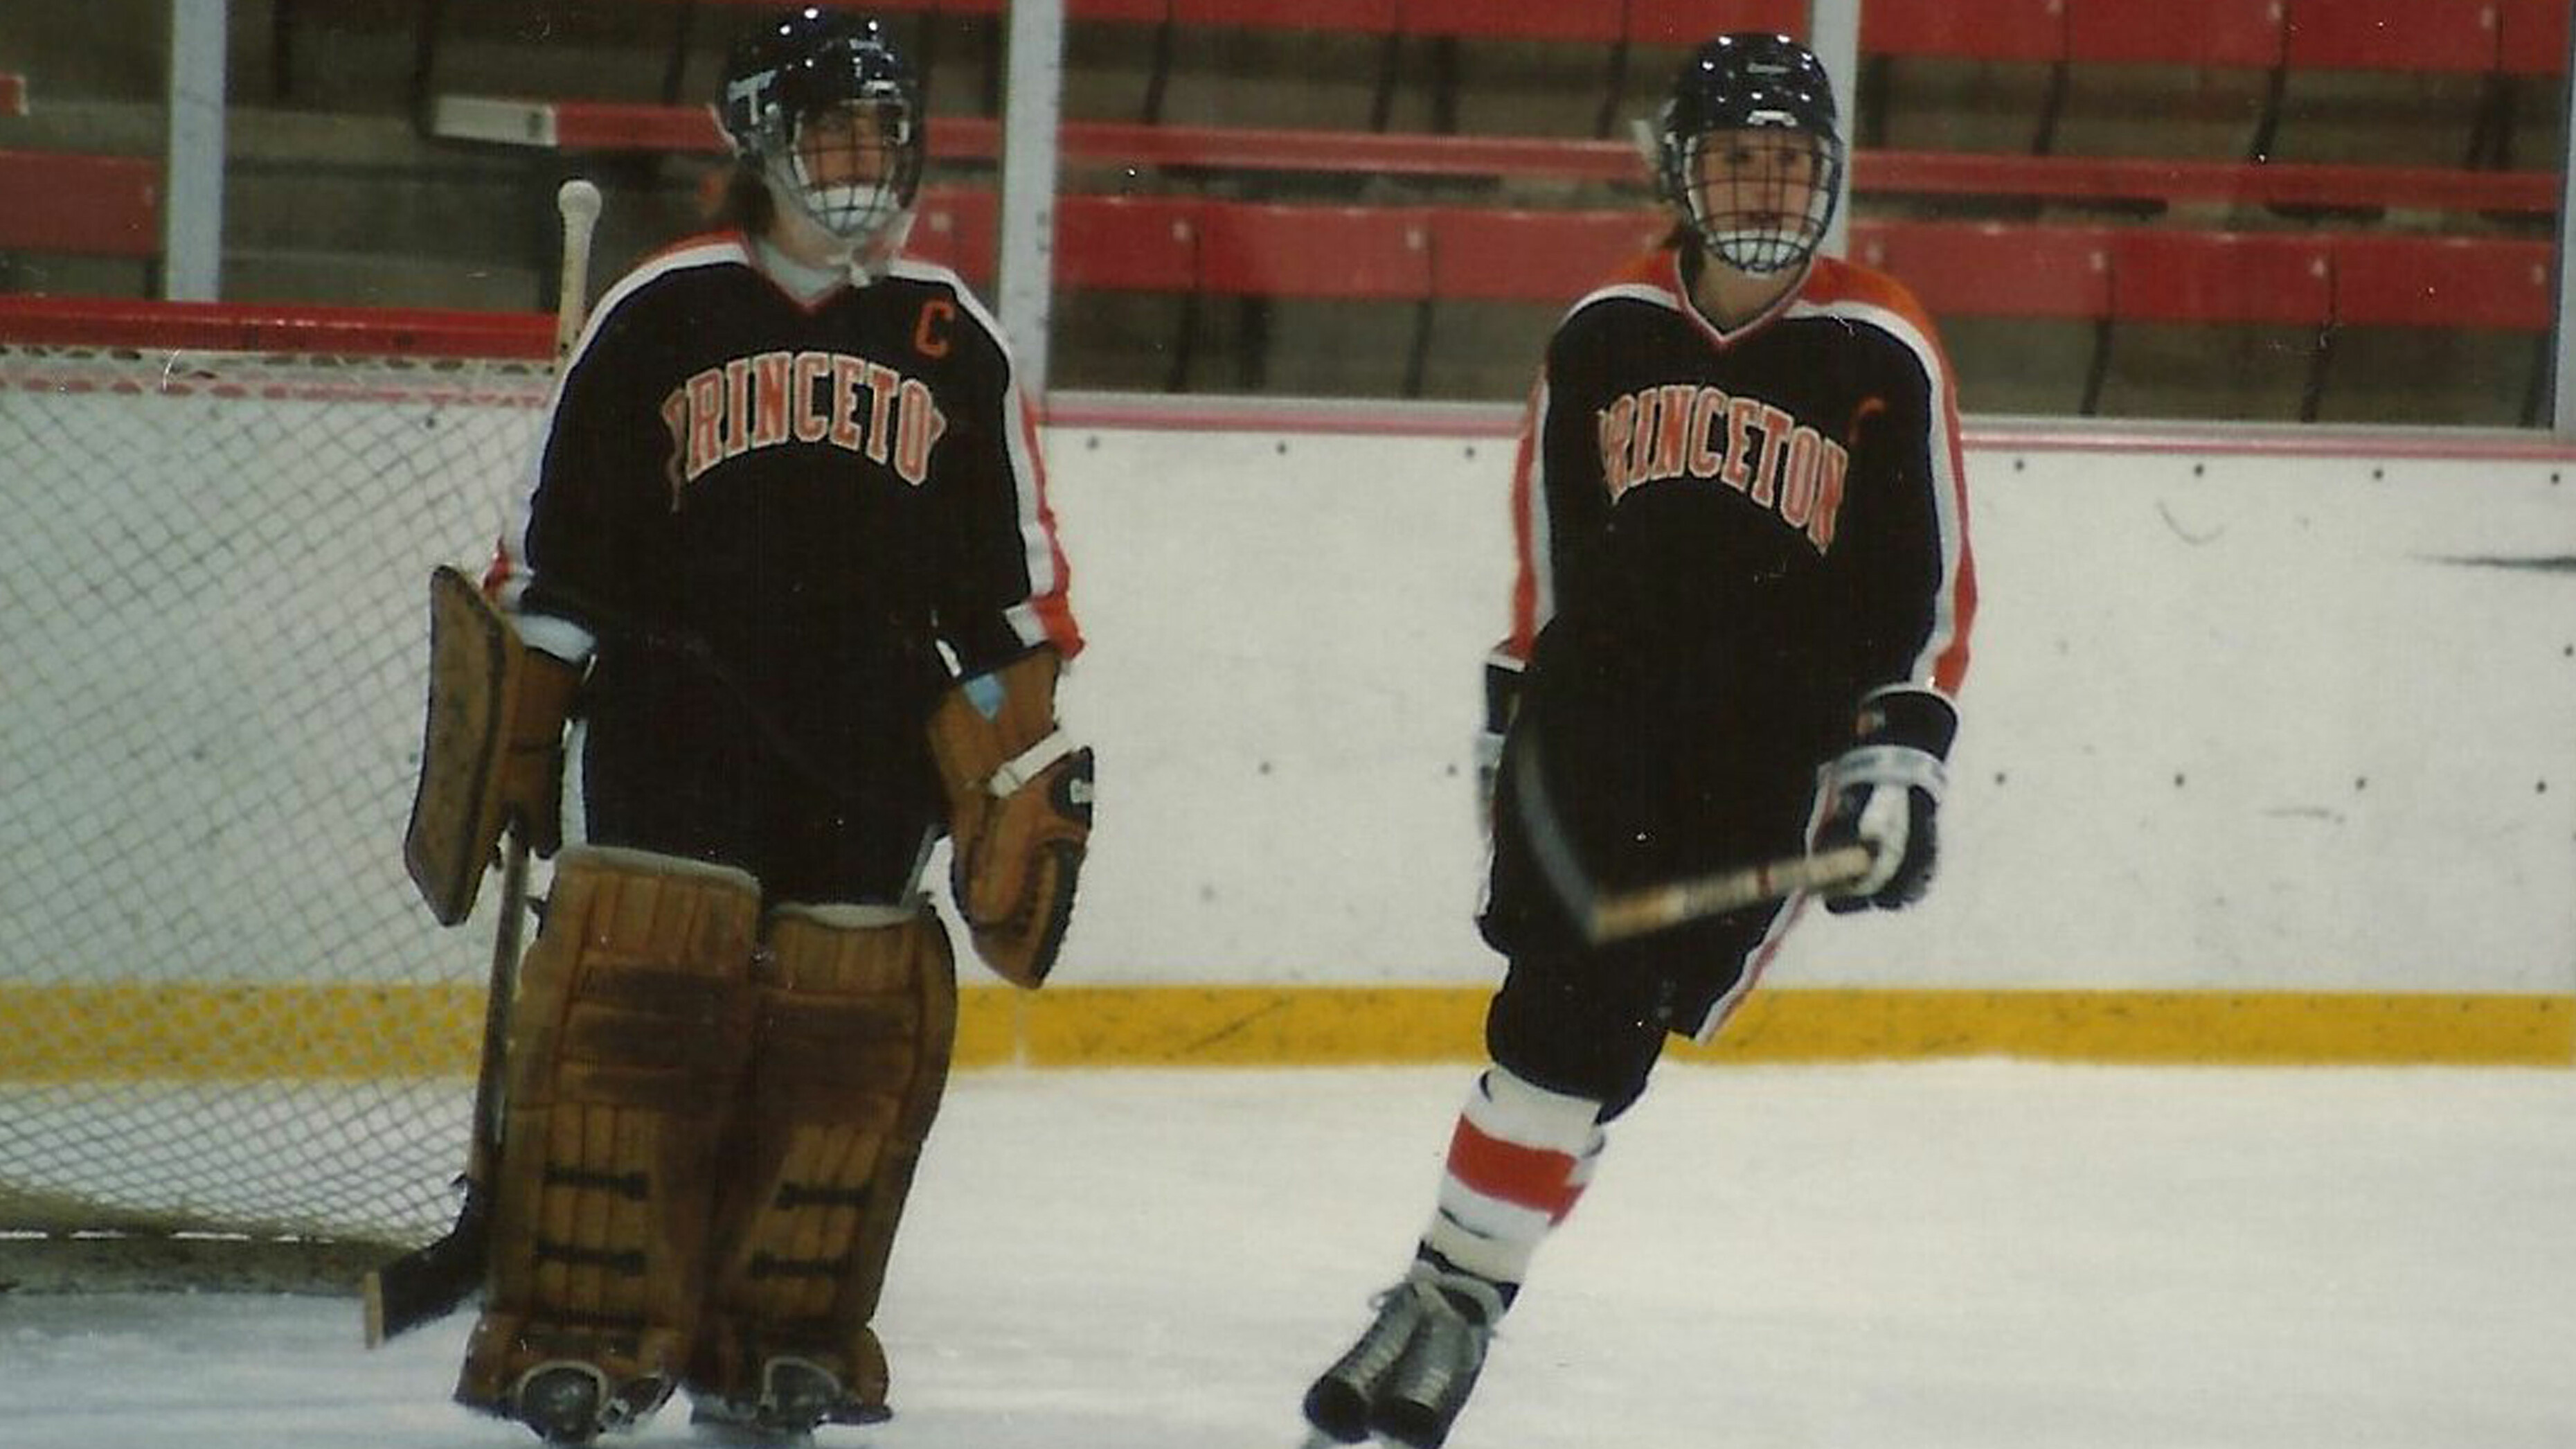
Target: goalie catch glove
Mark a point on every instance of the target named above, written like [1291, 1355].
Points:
[1884, 792]
[1019, 812]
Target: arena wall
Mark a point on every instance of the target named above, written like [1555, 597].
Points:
[2266, 756]
[2260, 738]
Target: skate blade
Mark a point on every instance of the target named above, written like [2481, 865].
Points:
[1320, 1439]
[750, 1436]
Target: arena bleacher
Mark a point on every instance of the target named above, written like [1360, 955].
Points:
[2197, 208]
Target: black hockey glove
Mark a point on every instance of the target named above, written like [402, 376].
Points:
[1884, 793]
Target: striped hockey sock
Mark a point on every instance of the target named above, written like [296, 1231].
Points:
[1519, 1160]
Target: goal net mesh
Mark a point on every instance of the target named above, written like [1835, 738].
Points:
[227, 1012]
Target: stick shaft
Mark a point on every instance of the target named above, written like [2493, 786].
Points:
[429, 1282]
[1656, 908]
[577, 202]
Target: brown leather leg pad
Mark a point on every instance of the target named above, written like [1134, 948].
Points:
[627, 1043]
[857, 1016]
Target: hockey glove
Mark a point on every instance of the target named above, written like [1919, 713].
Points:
[1019, 813]
[1884, 792]
[532, 770]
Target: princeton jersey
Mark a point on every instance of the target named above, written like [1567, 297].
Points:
[800, 487]
[781, 527]
[1733, 536]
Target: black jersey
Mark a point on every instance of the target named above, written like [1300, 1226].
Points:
[772, 516]
[1727, 539]
[1748, 529]
[800, 486]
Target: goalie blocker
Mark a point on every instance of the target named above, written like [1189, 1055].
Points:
[1019, 812]
[491, 747]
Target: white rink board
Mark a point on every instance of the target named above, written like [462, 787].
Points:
[2235, 720]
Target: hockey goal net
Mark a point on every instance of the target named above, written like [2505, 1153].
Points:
[228, 1019]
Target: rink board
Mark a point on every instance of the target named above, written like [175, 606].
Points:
[2265, 758]
[296, 1033]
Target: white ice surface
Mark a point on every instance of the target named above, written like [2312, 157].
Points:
[1981, 1254]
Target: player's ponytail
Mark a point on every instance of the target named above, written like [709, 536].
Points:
[742, 201]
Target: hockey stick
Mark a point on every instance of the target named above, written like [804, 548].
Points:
[1629, 914]
[429, 1282]
[1624, 915]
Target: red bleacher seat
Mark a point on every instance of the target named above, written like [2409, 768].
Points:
[2222, 34]
[1687, 23]
[79, 204]
[1498, 254]
[957, 227]
[1374, 17]
[1597, 23]
[1127, 243]
[1342, 252]
[13, 94]
[2394, 35]
[604, 126]
[2531, 36]
[1237, 148]
[1991, 269]
[2271, 278]
[2149, 179]
[2449, 282]
[1135, 12]
[2002, 30]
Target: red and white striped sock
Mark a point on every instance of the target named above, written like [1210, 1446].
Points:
[1518, 1162]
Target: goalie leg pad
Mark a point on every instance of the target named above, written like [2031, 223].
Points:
[627, 1039]
[856, 1020]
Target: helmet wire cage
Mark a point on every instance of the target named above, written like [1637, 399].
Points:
[1770, 200]
[850, 169]
[1764, 204]
[829, 114]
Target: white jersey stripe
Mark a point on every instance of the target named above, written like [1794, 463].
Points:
[1038, 551]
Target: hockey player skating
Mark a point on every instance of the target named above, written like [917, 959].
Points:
[787, 562]
[1741, 617]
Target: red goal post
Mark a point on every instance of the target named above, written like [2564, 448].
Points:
[229, 1020]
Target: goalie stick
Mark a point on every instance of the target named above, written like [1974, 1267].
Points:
[429, 1282]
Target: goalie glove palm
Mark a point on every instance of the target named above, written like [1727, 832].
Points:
[1019, 813]
[1885, 793]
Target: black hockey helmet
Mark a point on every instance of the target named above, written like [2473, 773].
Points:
[1746, 82]
[809, 62]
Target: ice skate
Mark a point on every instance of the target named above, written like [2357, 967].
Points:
[797, 1396]
[1406, 1378]
[562, 1402]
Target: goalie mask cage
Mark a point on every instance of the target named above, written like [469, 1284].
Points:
[237, 1049]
